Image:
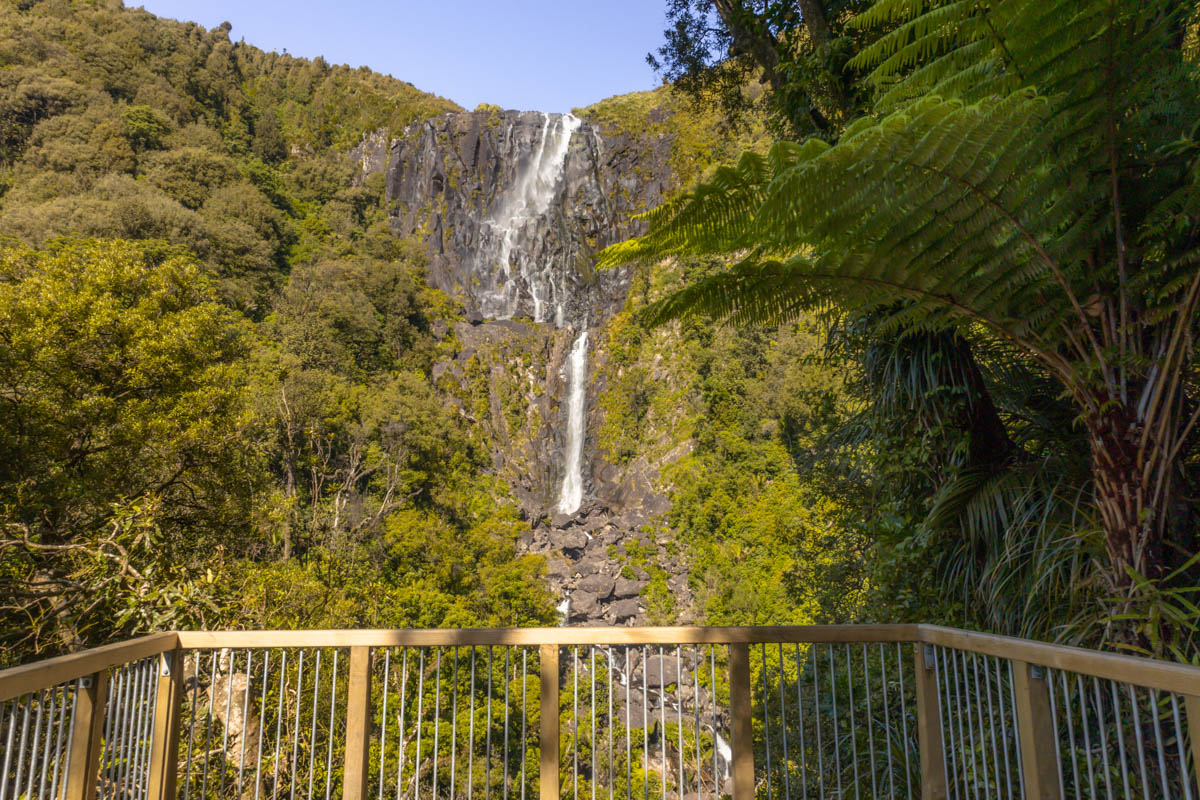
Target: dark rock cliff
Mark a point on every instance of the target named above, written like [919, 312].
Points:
[512, 207]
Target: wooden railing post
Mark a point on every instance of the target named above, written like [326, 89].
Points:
[741, 713]
[358, 725]
[84, 759]
[929, 725]
[1035, 732]
[548, 704]
[164, 751]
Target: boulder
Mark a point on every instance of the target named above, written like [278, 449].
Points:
[624, 609]
[627, 587]
[584, 605]
[598, 584]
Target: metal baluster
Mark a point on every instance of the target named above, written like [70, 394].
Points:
[58, 742]
[283, 682]
[646, 721]
[611, 751]
[979, 716]
[1120, 740]
[245, 717]
[1003, 728]
[575, 721]
[487, 766]
[1087, 736]
[628, 730]
[870, 720]
[104, 768]
[261, 710]
[453, 722]
[383, 718]
[1183, 770]
[766, 716]
[816, 660]
[696, 707]
[437, 721]
[900, 662]
[46, 743]
[1158, 743]
[11, 708]
[507, 682]
[471, 733]
[525, 716]
[419, 722]
[629, 741]
[942, 679]
[1054, 722]
[187, 779]
[712, 660]
[679, 714]
[887, 719]
[783, 761]
[126, 747]
[662, 711]
[1012, 703]
[36, 750]
[296, 726]
[837, 756]
[1103, 738]
[333, 693]
[21, 748]
[1066, 701]
[400, 724]
[592, 657]
[800, 726]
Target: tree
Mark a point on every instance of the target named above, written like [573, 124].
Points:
[122, 465]
[1029, 174]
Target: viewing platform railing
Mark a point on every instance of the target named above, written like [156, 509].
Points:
[822, 712]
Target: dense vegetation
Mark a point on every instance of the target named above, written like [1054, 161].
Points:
[215, 374]
[993, 207]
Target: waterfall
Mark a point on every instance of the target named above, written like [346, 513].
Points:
[576, 369]
[527, 200]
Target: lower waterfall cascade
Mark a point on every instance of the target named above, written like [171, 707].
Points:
[576, 374]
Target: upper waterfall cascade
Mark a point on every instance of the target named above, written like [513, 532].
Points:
[526, 201]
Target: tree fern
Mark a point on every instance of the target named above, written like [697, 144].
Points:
[1030, 168]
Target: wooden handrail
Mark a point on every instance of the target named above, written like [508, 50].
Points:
[1148, 672]
[27, 678]
[434, 637]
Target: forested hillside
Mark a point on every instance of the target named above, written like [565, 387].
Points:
[217, 406]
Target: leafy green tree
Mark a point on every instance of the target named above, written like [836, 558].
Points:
[1025, 174]
[122, 457]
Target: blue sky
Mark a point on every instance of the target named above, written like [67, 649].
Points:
[543, 55]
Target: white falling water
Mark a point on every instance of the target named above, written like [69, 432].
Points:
[576, 368]
[526, 201]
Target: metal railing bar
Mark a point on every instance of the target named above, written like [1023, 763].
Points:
[628, 729]
[800, 725]
[312, 738]
[978, 703]
[525, 718]
[870, 721]
[212, 669]
[471, 732]
[262, 708]
[299, 719]
[1103, 738]
[1058, 759]
[487, 769]
[887, 717]
[611, 725]
[1141, 746]
[1004, 747]
[1158, 742]
[837, 756]
[645, 723]
[575, 722]
[783, 760]
[1120, 739]
[696, 708]
[400, 724]
[333, 693]
[283, 680]
[766, 715]
[816, 662]
[246, 692]
[679, 714]
[1087, 736]
[1185, 778]
[663, 716]
[507, 683]
[437, 719]
[453, 719]
[383, 719]
[900, 661]
[1012, 702]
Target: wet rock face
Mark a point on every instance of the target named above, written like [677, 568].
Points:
[512, 207]
[467, 180]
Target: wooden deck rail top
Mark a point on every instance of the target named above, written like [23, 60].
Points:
[1151, 673]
